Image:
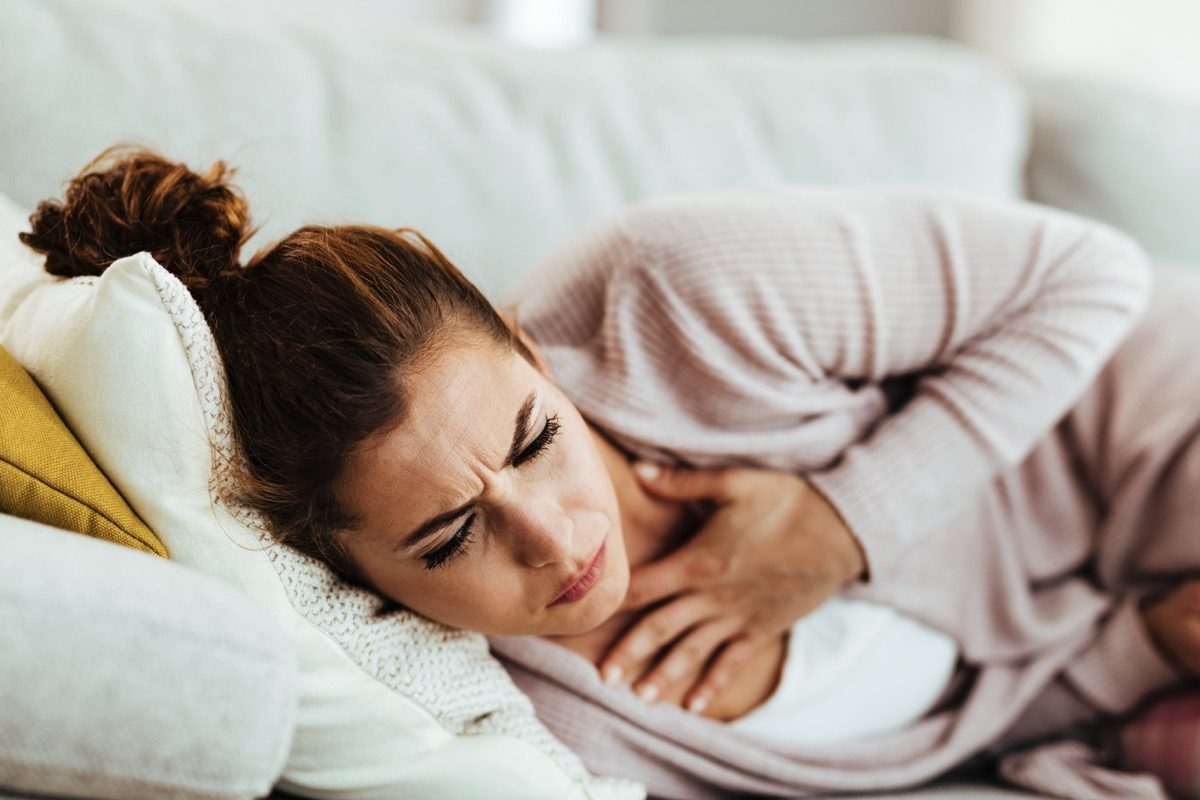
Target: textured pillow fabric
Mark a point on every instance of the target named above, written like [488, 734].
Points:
[127, 677]
[391, 706]
[46, 476]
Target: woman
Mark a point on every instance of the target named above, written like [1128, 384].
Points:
[884, 361]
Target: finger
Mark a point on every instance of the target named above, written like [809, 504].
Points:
[637, 647]
[720, 672]
[658, 580]
[686, 659]
[677, 483]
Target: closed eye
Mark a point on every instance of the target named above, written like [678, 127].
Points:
[457, 544]
[540, 443]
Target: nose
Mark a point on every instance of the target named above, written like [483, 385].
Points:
[543, 532]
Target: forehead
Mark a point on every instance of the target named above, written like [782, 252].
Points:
[462, 402]
[453, 396]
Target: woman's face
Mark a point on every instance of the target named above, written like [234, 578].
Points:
[490, 507]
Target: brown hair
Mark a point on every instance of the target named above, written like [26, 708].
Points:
[316, 332]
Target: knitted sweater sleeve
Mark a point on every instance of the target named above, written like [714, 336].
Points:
[1001, 312]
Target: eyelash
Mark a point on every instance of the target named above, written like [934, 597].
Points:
[457, 545]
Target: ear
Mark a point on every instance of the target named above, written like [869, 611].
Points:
[510, 320]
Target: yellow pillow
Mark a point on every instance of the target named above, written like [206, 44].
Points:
[46, 476]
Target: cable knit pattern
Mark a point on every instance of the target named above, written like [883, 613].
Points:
[448, 672]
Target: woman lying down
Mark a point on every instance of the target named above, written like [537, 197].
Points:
[900, 484]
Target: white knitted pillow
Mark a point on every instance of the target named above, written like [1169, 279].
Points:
[390, 706]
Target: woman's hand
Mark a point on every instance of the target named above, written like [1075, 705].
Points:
[773, 549]
[1173, 622]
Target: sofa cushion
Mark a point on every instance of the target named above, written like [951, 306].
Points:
[20, 267]
[344, 112]
[391, 705]
[46, 476]
[127, 677]
[1122, 154]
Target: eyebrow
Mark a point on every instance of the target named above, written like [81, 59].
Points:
[434, 524]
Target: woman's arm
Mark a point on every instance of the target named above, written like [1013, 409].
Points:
[763, 315]
[1005, 310]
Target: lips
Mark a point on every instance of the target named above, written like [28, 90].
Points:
[583, 582]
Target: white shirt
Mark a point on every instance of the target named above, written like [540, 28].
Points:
[854, 669]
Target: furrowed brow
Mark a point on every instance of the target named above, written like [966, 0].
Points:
[520, 434]
[521, 429]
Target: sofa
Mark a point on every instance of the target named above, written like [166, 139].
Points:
[130, 674]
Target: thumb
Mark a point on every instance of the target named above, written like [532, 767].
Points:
[657, 580]
[676, 483]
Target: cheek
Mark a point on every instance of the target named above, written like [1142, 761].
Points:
[584, 469]
[486, 597]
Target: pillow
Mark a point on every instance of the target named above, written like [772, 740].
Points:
[46, 476]
[129, 677]
[391, 705]
[20, 268]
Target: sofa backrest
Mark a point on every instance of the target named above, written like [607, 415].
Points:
[1126, 155]
[495, 151]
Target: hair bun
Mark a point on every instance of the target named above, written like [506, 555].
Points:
[129, 200]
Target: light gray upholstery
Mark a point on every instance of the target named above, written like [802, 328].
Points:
[127, 677]
[1124, 155]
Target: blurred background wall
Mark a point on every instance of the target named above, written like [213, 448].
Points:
[1152, 43]
[797, 18]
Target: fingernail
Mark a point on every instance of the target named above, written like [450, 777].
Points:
[648, 693]
[697, 704]
[612, 674]
[648, 469]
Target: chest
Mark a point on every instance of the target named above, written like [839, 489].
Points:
[651, 530]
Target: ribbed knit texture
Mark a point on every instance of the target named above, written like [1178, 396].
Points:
[930, 361]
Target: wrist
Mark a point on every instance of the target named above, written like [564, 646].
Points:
[853, 556]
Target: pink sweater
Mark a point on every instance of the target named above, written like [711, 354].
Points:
[930, 361]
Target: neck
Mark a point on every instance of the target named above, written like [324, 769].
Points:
[651, 526]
